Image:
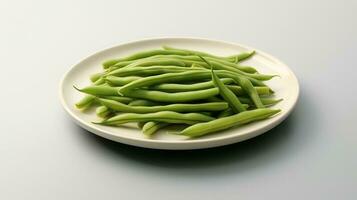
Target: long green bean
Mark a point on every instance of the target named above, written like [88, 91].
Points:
[227, 94]
[142, 54]
[251, 91]
[200, 53]
[261, 90]
[143, 102]
[148, 71]
[171, 97]
[228, 122]
[174, 87]
[99, 90]
[88, 100]
[120, 81]
[163, 116]
[117, 106]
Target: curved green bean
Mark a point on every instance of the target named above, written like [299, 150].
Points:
[157, 62]
[143, 102]
[226, 93]
[85, 102]
[102, 111]
[142, 54]
[163, 116]
[96, 76]
[145, 71]
[151, 127]
[261, 90]
[219, 65]
[193, 59]
[200, 53]
[120, 99]
[239, 119]
[88, 100]
[171, 97]
[117, 106]
[251, 91]
[99, 90]
[243, 56]
[174, 87]
[120, 81]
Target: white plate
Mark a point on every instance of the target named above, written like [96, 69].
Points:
[285, 87]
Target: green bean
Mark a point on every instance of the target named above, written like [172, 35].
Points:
[96, 77]
[142, 54]
[85, 102]
[226, 93]
[228, 112]
[148, 61]
[174, 87]
[120, 81]
[245, 55]
[99, 90]
[102, 111]
[200, 53]
[171, 97]
[117, 106]
[151, 127]
[247, 102]
[187, 60]
[163, 116]
[239, 119]
[193, 59]
[88, 100]
[124, 100]
[143, 102]
[251, 91]
[145, 71]
[246, 69]
[237, 90]
[157, 62]
[193, 75]
[219, 65]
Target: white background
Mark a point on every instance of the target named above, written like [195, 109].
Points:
[44, 155]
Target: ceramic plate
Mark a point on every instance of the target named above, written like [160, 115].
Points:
[286, 86]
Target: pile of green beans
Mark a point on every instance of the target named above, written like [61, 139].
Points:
[157, 88]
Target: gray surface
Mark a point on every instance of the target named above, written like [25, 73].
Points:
[44, 155]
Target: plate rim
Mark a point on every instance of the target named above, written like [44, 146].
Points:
[181, 144]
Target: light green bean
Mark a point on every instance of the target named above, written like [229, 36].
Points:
[171, 97]
[148, 71]
[227, 94]
[239, 119]
[142, 54]
[163, 116]
[174, 87]
[151, 127]
[117, 106]
[120, 81]
[143, 102]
